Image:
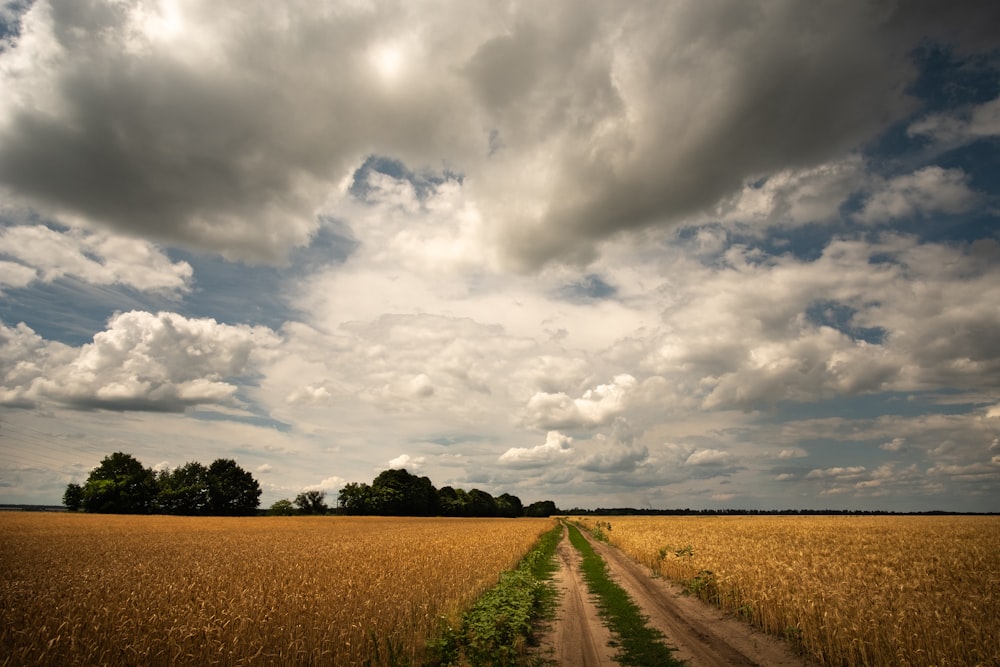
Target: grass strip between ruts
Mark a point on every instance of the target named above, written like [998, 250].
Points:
[638, 644]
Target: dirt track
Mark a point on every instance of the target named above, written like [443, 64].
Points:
[700, 634]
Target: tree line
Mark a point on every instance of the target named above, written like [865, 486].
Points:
[122, 485]
[398, 492]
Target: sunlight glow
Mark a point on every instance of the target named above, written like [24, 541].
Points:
[162, 21]
[388, 61]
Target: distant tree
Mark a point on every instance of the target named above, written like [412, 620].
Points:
[397, 492]
[120, 485]
[283, 507]
[541, 508]
[232, 491]
[482, 503]
[387, 500]
[184, 490]
[355, 498]
[509, 506]
[453, 502]
[311, 502]
[73, 498]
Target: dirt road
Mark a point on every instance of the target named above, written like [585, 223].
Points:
[700, 634]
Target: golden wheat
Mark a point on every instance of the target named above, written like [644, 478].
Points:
[847, 590]
[114, 590]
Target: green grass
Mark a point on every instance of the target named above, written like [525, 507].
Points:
[497, 629]
[638, 644]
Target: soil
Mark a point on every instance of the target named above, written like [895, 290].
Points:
[700, 634]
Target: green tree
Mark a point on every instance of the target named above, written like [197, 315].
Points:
[397, 492]
[355, 498]
[482, 503]
[452, 502]
[232, 491]
[120, 485]
[541, 508]
[509, 506]
[73, 498]
[184, 490]
[283, 507]
[311, 502]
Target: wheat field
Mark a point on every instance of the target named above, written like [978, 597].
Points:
[846, 590]
[158, 590]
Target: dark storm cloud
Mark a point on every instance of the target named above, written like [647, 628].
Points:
[227, 128]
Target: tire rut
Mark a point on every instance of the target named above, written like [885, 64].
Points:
[577, 636]
[700, 634]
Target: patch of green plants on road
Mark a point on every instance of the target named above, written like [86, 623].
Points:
[498, 628]
[638, 644]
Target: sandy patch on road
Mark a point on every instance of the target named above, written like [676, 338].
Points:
[577, 636]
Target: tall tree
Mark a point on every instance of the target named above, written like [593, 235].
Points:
[509, 506]
[482, 503]
[355, 498]
[120, 485]
[311, 502]
[397, 492]
[283, 507]
[453, 502]
[73, 498]
[184, 490]
[541, 508]
[231, 489]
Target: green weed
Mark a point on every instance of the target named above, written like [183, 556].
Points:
[497, 629]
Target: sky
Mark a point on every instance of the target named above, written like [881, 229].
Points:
[686, 254]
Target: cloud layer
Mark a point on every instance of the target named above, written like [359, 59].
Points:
[662, 254]
[224, 128]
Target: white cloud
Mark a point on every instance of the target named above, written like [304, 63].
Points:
[555, 447]
[792, 453]
[924, 192]
[956, 128]
[328, 485]
[595, 407]
[13, 274]
[616, 458]
[142, 361]
[749, 334]
[794, 197]
[894, 445]
[839, 473]
[309, 394]
[25, 359]
[709, 457]
[407, 461]
[98, 258]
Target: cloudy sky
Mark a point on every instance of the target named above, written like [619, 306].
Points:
[652, 254]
